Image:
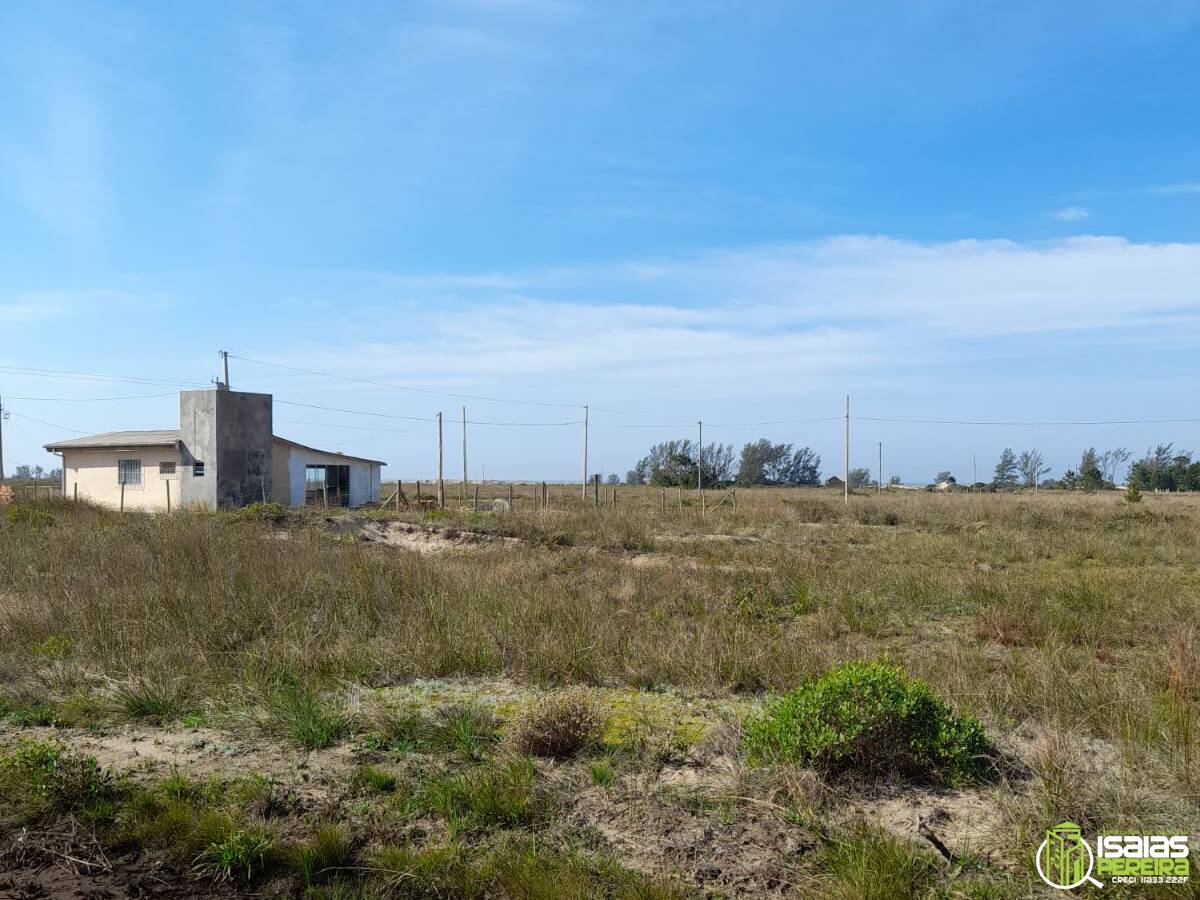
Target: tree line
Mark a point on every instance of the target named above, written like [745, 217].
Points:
[1162, 468]
[677, 464]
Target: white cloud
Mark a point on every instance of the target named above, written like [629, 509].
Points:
[1071, 213]
[825, 312]
[1177, 189]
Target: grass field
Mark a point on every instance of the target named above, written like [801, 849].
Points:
[553, 703]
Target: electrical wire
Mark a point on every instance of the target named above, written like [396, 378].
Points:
[1061, 424]
[29, 372]
[91, 399]
[400, 387]
[43, 422]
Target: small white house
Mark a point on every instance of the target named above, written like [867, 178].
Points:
[223, 455]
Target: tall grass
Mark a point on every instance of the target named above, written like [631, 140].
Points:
[1067, 609]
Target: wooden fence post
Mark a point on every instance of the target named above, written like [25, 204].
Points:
[122, 496]
[596, 492]
[475, 499]
[168, 483]
[75, 492]
[662, 500]
[510, 497]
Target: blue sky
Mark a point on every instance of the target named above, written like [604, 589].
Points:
[671, 211]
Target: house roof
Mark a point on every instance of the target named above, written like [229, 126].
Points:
[374, 462]
[130, 440]
[119, 440]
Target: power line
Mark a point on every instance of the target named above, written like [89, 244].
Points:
[355, 427]
[48, 424]
[421, 418]
[1062, 424]
[29, 372]
[93, 399]
[399, 387]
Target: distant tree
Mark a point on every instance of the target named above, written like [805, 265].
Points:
[614, 478]
[1069, 481]
[54, 474]
[1091, 478]
[859, 478]
[22, 472]
[1133, 493]
[1110, 460]
[674, 464]
[718, 464]
[805, 467]
[944, 475]
[762, 462]
[1031, 465]
[1166, 469]
[895, 479]
[1006, 470]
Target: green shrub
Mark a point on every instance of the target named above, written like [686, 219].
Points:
[23, 516]
[308, 720]
[469, 729]
[868, 719]
[40, 780]
[241, 854]
[1133, 491]
[503, 794]
[432, 872]
[150, 699]
[871, 865]
[319, 858]
[373, 779]
[559, 725]
[261, 512]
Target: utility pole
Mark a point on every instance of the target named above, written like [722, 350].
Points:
[974, 474]
[464, 437]
[700, 461]
[441, 489]
[583, 481]
[225, 365]
[846, 485]
[3, 416]
[879, 477]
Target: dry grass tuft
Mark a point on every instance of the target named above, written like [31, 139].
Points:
[559, 725]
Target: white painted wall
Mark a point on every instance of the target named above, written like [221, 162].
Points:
[94, 472]
[288, 465]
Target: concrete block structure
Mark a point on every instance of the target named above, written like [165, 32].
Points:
[223, 455]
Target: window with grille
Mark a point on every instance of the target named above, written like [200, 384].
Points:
[166, 468]
[129, 471]
[198, 469]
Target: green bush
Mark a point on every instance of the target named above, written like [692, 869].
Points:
[42, 781]
[868, 719]
[502, 794]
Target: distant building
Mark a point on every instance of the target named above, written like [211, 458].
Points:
[224, 454]
[834, 481]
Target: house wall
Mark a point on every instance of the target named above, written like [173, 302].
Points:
[94, 473]
[364, 477]
[231, 433]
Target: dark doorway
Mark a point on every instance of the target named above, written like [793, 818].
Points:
[327, 485]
